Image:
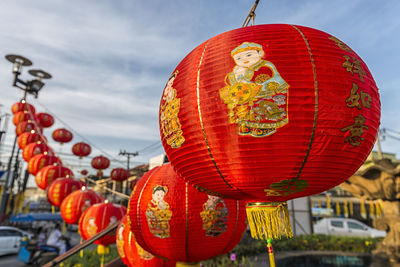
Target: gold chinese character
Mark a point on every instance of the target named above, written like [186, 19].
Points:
[366, 99]
[354, 67]
[354, 98]
[356, 130]
[340, 44]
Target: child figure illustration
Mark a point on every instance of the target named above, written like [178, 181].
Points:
[158, 213]
[92, 227]
[170, 125]
[255, 92]
[120, 240]
[214, 216]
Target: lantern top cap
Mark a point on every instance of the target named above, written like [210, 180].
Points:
[246, 46]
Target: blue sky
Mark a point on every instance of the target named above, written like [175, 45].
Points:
[110, 59]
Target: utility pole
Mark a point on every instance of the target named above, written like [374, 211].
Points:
[129, 154]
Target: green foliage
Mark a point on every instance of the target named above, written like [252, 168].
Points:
[90, 258]
[247, 250]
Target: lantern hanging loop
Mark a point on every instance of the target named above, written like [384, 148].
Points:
[251, 16]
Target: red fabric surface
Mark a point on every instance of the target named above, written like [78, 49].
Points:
[316, 149]
[62, 135]
[27, 126]
[48, 174]
[187, 225]
[81, 149]
[34, 149]
[119, 174]
[60, 188]
[22, 116]
[97, 218]
[100, 163]
[25, 139]
[73, 206]
[17, 107]
[40, 161]
[45, 119]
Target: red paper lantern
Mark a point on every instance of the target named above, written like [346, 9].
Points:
[27, 138]
[62, 135]
[48, 174]
[171, 219]
[81, 149]
[263, 113]
[100, 163]
[84, 172]
[26, 127]
[97, 218]
[40, 161]
[131, 253]
[22, 116]
[61, 188]
[119, 174]
[45, 119]
[34, 149]
[73, 206]
[22, 106]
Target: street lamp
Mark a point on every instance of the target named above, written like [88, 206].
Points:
[31, 86]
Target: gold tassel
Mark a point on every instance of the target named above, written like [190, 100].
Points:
[363, 211]
[101, 250]
[187, 264]
[372, 210]
[268, 220]
[338, 211]
[351, 208]
[270, 253]
[328, 204]
[345, 208]
[64, 227]
[81, 251]
[53, 209]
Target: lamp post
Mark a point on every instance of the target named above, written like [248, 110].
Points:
[29, 87]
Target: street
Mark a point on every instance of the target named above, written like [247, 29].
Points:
[11, 260]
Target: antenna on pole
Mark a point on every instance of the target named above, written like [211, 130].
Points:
[251, 16]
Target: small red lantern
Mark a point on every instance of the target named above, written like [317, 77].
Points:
[27, 138]
[48, 174]
[84, 172]
[40, 161]
[97, 218]
[100, 163]
[26, 127]
[119, 174]
[73, 206]
[22, 116]
[22, 106]
[45, 119]
[62, 135]
[81, 149]
[61, 188]
[171, 219]
[260, 113]
[34, 149]
[131, 253]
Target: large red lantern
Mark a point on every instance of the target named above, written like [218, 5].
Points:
[27, 138]
[40, 161]
[81, 149]
[22, 116]
[269, 113]
[34, 149]
[73, 206]
[45, 119]
[100, 163]
[62, 135]
[61, 188]
[119, 174]
[22, 106]
[48, 174]
[97, 218]
[131, 253]
[26, 127]
[171, 219]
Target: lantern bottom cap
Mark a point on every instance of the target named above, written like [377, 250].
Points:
[269, 220]
[187, 264]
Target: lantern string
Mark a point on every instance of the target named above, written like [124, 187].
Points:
[251, 16]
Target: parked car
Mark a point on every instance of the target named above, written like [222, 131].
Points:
[10, 239]
[346, 227]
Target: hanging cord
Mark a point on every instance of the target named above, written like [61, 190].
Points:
[251, 16]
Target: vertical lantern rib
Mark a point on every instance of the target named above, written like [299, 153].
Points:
[187, 222]
[316, 101]
[201, 119]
